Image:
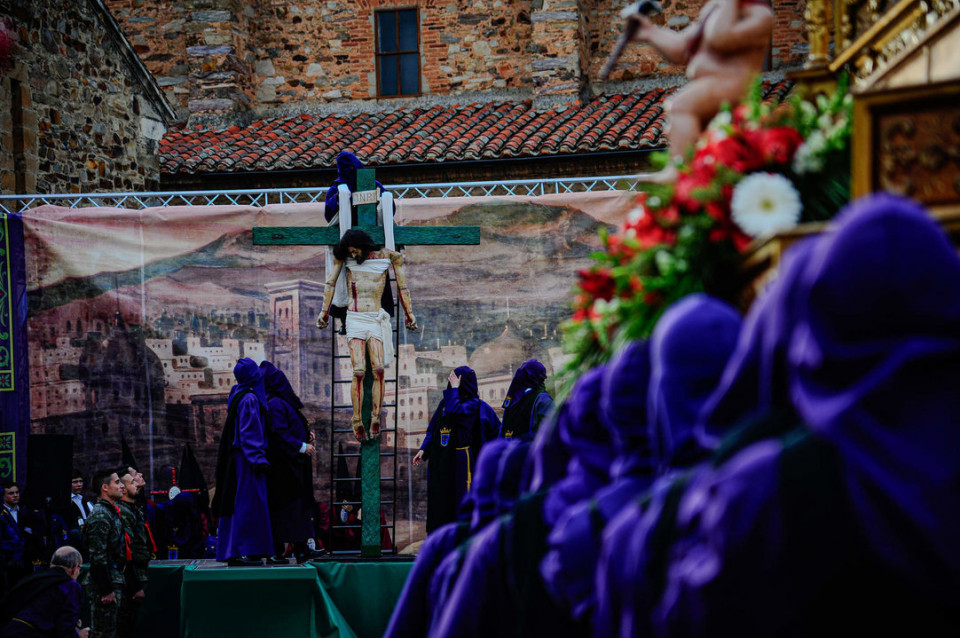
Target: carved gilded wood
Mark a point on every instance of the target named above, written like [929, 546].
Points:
[869, 34]
[907, 140]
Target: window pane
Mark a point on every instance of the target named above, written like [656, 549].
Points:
[388, 75]
[387, 22]
[409, 73]
[408, 29]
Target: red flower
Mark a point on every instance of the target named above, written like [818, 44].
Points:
[619, 249]
[734, 153]
[598, 283]
[740, 113]
[683, 191]
[775, 145]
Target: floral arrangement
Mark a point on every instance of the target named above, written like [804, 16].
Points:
[757, 170]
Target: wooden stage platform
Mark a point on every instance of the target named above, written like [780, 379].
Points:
[333, 597]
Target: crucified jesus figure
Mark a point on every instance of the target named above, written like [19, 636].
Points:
[723, 51]
[368, 324]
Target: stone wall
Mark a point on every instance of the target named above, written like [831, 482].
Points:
[301, 51]
[73, 114]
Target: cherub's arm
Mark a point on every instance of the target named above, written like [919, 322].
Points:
[328, 290]
[672, 45]
[397, 260]
[738, 25]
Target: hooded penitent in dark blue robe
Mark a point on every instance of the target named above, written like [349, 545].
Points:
[458, 428]
[500, 591]
[570, 564]
[241, 498]
[347, 167]
[527, 402]
[290, 486]
[849, 525]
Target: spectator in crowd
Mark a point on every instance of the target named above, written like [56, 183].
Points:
[46, 604]
[12, 537]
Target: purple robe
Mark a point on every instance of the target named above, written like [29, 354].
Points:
[492, 594]
[290, 487]
[246, 532]
[496, 496]
[754, 382]
[347, 167]
[496, 486]
[570, 563]
[690, 346]
[875, 363]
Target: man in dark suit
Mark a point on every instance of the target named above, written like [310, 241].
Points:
[80, 506]
[75, 512]
[13, 562]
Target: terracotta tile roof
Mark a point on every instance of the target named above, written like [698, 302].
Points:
[483, 131]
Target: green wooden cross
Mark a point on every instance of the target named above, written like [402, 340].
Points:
[328, 236]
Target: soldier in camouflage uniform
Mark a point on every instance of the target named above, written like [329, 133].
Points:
[142, 550]
[107, 550]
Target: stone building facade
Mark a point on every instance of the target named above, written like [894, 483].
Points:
[78, 110]
[229, 56]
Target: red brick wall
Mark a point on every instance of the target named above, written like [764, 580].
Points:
[294, 51]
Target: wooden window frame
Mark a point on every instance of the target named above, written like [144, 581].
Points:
[398, 53]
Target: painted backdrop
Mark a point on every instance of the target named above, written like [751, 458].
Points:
[136, 319]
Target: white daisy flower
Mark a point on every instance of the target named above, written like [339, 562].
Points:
[765, 203]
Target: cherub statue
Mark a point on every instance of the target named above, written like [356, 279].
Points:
[723, 51]
[368, 324]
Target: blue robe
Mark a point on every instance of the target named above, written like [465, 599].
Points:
[246, 532]
[471, 422]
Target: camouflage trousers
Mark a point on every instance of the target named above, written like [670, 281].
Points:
[128, 616]
[103, 617]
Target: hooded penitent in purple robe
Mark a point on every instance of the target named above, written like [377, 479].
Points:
[850, 524]
[347, 167]
[484, 497]
[290, 486]
[499, 591]
[569, 566]
[241, 498]
[690, 348]
[458, 429]
[497, 483]
[754, 383]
